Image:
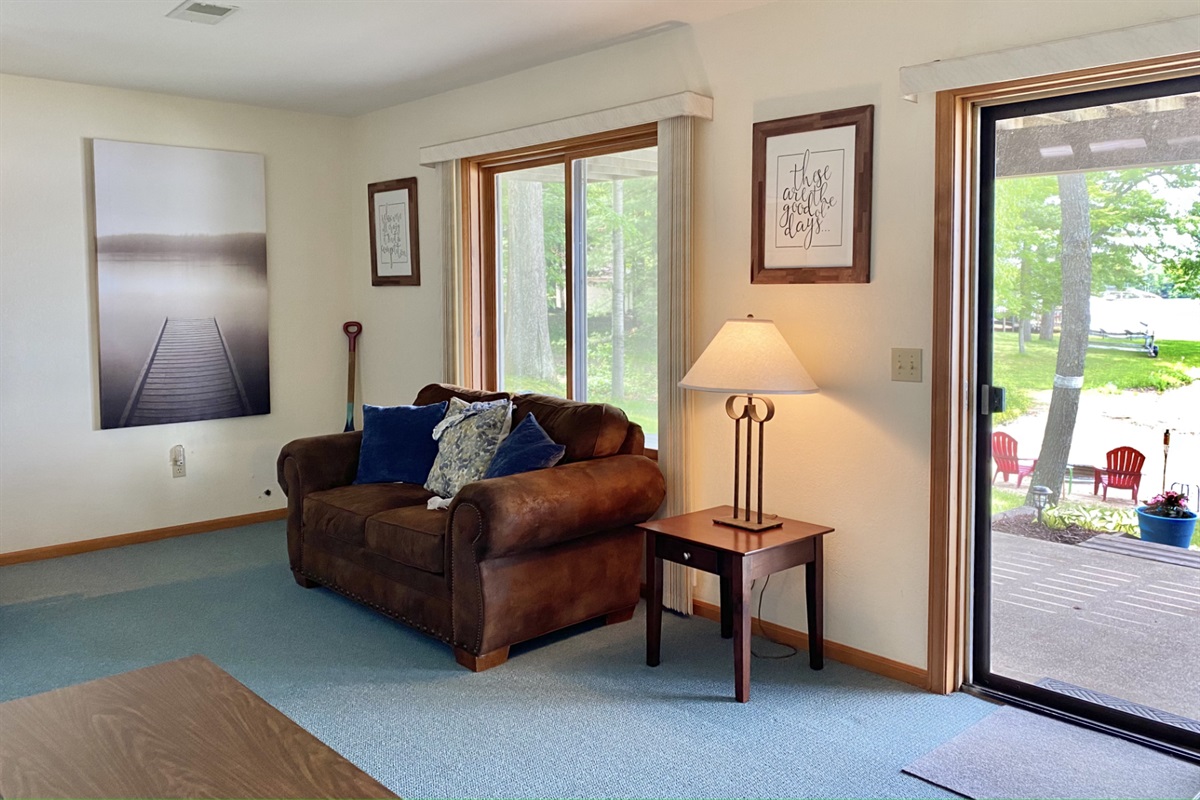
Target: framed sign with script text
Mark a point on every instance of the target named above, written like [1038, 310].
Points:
[395, 257]
[812, 198]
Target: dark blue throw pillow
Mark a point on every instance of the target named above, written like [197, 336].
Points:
[398, 443]
[525, 449]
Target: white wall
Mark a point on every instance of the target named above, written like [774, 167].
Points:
[855, 456]
[63, 479]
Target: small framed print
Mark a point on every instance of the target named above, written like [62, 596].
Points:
[395, 256]
[812, 198]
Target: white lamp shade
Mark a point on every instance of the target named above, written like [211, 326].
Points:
[749, 356]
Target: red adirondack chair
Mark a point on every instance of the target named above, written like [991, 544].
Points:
[1004, 450]
[1123, 471]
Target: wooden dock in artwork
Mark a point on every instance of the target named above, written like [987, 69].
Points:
[189, 375]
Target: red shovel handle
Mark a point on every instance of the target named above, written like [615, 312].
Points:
[352, 330]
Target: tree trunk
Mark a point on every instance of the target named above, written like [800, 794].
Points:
[527, 354]
[1047, 332]
[618, 292]
[1072, 344]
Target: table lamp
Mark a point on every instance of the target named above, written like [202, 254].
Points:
[748, 357]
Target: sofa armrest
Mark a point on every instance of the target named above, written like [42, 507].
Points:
[531, 510]
[318, 462]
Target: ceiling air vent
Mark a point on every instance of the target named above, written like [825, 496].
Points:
[206, 13]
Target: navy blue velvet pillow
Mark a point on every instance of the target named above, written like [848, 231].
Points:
[398, 443]
[525, 449]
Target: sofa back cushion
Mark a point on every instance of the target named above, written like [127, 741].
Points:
[441, 392]
[588, 430]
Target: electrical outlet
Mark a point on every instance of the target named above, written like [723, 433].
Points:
[178, 462]
[906, 364]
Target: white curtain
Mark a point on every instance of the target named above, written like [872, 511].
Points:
[453, 327]
[675, 144]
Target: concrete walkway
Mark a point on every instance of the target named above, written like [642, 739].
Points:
[1124, 626]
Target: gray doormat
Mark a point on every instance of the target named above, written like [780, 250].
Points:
[1018, 754]
[1129, 546]
[1128, 706]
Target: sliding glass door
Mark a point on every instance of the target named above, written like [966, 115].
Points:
[1089, 332]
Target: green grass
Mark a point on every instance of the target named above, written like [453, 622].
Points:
[1178, 364]
[1006, 500]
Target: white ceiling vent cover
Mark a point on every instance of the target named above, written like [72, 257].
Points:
[205, 13]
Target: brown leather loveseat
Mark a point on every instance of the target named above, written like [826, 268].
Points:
[511, 559]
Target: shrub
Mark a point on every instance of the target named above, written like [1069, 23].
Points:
[1092, 518]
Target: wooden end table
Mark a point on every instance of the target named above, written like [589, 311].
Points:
[737, 557]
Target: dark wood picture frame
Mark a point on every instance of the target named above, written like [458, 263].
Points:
[403, 237]
[812, 202]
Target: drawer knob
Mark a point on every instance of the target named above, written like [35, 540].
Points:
[687, 556]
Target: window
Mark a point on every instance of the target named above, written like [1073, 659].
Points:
[563, 271]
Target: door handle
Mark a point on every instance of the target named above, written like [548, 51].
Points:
[993, 400]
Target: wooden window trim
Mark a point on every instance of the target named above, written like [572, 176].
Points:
[954, 380]
[479, 236]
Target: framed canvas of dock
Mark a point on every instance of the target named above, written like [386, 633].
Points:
[395, 255]
[181, 279]
[811, 207]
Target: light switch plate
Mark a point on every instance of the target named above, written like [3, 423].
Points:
[906, 364]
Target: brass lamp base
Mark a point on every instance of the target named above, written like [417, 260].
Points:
[748, 524]
[749, 413]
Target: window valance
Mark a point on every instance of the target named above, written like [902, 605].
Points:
[683, 104]
[1154, 40]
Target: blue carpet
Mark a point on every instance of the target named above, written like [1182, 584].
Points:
[573, 715]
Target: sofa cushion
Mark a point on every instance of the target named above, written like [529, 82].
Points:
[397, 443]
[342, 513]
[525, 449]
[467, 440]
[440, 392]
[414, 536]
[588, 430]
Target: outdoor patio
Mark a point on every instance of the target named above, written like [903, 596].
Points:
[1120, 625]
[1136, 419]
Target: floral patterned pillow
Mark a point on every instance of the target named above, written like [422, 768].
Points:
[467, 440]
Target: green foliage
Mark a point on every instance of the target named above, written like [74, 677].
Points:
[1026, 246]
[1093, 518]
[1178, 364]
[1181, 270]
[1131, 219]
[1131, 223]
[638, 226]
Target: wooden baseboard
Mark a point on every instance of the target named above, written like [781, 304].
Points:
[838, 652]
[138, 537]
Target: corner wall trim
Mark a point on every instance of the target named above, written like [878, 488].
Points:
[846, 654]
[138, 537]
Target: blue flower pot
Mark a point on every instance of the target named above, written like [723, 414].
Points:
[1175, 531]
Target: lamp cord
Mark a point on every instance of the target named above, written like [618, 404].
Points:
[762, 631]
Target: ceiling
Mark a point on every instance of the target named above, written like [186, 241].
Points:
[343, 57]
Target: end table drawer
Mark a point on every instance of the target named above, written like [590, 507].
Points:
[688, 554]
